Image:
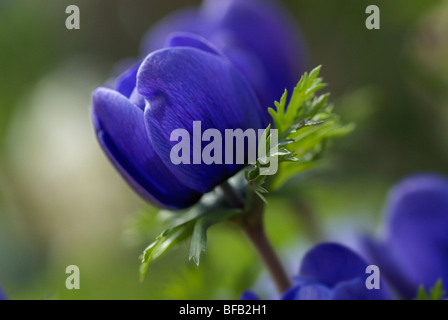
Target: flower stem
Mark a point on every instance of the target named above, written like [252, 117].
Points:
[257, 236]
[252, 225]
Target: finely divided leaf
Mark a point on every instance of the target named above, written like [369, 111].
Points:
[193, 223]
[199, 237]
[163, 243]
[304, 126]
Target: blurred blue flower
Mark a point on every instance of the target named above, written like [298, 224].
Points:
[249, 295]
[187, 81]
[2, 295]
[331, 272]
[413, 250]
[258, 36]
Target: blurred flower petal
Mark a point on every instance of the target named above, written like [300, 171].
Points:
[258, 36]
[414, 249]
[331, 264]
[249, 295]
[308, 292]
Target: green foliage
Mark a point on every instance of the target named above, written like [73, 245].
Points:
[436, 293]
[193, 223]
[199, 236]
[304, 127]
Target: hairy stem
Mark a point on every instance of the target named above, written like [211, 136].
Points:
[252, 225]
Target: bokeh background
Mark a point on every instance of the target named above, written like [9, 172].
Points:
[62, 203]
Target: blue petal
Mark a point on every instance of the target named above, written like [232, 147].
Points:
[331, 263]
[308, 292]
[249, 295]
[182, 85]
[342, 271]
[378, 253]
[185, 39]
[314, 292]
[121, 131]
[355, 289]
[252, 68]
[258, 36]
[137, 99]
[291, 293]
[126, 85]
[248, 64]
[185, 20]
[126, 82]
[265, 29]
[418, 230]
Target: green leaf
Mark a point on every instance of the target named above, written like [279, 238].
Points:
[422, 295]
[304, 127]
[288, 170]
[199, 237]
[182, 225]
[436, 293]
[198, 241]
[167, 239]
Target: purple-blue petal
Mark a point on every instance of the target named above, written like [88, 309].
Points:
[249, 295]
[417, 234]
[265, 29]
[126, 82]
[378, 253]
[355, 289]
[137, 99]
[258, 36]
[185, 20]
[122, 134]
[185, 39]
[186, 84]
[342, 271]
[308, 292]
[331, 263]
[331, 271]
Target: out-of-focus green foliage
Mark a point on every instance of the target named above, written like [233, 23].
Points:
[436, 293]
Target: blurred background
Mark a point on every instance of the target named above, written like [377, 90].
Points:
[62, 203]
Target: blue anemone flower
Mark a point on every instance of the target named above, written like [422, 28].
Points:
[331, 271]
[258, 36]
[413, 250]
[187, 81]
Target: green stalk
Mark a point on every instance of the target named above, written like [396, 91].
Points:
[251, 223]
